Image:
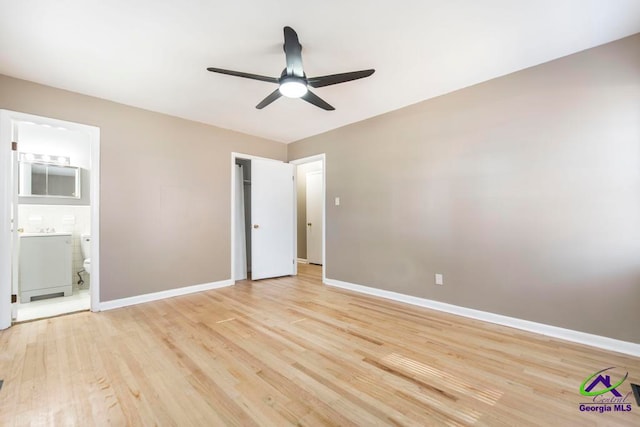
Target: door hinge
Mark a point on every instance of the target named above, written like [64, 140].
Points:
[14, 298]
[14, 146]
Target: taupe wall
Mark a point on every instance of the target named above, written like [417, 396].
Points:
[523, 191]
[165, 189]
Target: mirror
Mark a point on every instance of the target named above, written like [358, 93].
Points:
[45, 180]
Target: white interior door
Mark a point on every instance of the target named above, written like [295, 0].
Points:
[8, 218]
[314, 217]
[272, 215]
[15, 237]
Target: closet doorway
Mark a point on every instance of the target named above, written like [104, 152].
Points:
[262, 218]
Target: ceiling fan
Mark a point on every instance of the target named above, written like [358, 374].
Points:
[293, 82]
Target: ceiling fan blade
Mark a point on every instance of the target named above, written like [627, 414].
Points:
[339, 78]
[314, 99]
[269, 99]
[245, 75]
[293, 53]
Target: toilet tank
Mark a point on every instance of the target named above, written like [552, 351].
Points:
[85, 245]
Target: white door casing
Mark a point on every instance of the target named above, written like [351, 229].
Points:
[273, 219]
[314, 217]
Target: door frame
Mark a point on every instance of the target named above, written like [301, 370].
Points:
[234, 156]
[9, 119]
[314, 158]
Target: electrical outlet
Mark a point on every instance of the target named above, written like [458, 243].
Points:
[337, 200]
[439, 279]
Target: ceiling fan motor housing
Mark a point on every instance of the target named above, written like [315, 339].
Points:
[293, 86]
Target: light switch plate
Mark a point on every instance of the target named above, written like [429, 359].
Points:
[439, 279]
[337, 201]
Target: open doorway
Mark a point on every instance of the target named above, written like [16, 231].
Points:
[52, 197]
[310, 207]
[309, 212]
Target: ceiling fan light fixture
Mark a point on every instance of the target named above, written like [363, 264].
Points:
[293, 82]
[293, 87]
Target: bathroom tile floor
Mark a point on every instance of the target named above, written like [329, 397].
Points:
[80, 300]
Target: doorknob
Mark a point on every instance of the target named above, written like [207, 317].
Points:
[256, 226]
[309, 224]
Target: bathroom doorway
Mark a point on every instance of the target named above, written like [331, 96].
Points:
[51, 246]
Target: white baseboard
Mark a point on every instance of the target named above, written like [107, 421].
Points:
[606, 343]
[138, 299]
[302, 261]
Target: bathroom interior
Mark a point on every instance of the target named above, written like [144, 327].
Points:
[51, 255]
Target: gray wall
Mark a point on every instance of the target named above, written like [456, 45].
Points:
[301, 201]
[523, 191]
[165, 189]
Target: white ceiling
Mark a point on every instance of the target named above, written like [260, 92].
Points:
[153, 54]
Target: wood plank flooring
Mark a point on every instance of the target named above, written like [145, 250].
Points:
[292, 351]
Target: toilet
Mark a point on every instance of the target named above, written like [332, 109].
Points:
[85, 247]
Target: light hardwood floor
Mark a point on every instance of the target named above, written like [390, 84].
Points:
[291, 351]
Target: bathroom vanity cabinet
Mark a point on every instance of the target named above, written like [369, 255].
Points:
[45, 265]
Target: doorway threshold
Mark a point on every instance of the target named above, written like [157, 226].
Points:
[53, 307]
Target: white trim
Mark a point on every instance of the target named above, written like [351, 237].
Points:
[302, 261]
[314, 158]
[155, 296]
[94, 135]
[7, 120]
[598, 341]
